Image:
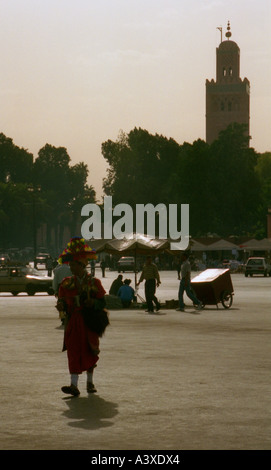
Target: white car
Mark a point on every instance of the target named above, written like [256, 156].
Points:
[16, 279]
[126, 263]
[257, 265]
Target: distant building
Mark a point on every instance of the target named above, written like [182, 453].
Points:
[227, 98]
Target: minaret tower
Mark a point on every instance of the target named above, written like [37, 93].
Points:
[227, 98]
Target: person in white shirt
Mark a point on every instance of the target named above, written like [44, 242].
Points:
[60, 272]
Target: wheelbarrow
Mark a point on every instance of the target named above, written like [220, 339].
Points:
[214, 286]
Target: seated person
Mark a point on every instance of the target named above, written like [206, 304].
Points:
[126, 293]
[116, 284]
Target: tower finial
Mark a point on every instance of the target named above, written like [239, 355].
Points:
[228, 33]
[220, 29]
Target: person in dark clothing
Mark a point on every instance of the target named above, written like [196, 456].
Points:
[103, 266]
[152, 280]
[115, 286]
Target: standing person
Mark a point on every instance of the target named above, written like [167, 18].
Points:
[49, 265]
[185, 284]
[60, 272]
[152, 280]
[92, 267]
[82, 298]
[103, 265]
[126, 293]
[178, 268]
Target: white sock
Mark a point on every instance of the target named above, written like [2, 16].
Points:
[89, 376]
[74, 379]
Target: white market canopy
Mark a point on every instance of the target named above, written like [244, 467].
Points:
[257, 245]
[221, 245]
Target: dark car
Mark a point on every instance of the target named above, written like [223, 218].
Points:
[16, 279]
[257, 265]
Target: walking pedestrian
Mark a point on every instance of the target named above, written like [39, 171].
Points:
[185, 284]
[152, 280]
[103, 266]
[81, 296]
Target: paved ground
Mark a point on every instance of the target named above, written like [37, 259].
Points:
[172, 380]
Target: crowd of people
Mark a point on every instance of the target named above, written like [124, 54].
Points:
[150, 275]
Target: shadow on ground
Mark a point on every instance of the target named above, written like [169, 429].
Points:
[90, 412]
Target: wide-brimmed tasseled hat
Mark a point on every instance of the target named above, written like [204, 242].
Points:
[77, 250]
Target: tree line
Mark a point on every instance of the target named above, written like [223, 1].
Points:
[46, 190]
[227, 184]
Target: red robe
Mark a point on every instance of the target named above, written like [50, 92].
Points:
[80, 342]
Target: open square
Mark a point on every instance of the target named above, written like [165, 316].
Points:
[171, 380]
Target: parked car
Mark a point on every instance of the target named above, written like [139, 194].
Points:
[257, 265]
[16, 279]
[41, 259]
[126, 263]
[4, 258]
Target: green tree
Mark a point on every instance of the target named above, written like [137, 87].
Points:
[17, 215]
[64, 187]
[80, 193]
[235, 184]
[194, 185]
[16, 163]
[263, 172]
[48, 190]
[218, 182]
[140, 165]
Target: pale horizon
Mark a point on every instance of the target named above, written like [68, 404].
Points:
[76, 73]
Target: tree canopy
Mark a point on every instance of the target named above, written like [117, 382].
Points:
[227, 184]
[46, 190]
[221, 182]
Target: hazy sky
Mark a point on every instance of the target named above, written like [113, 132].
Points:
[76, 72]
